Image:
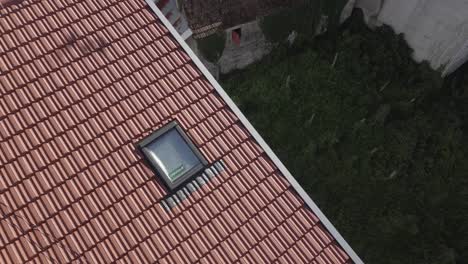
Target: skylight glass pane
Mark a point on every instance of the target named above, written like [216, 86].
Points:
[172, 154]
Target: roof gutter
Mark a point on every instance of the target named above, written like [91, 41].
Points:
[328, 225]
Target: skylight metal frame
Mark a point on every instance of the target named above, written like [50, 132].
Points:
[172, 185]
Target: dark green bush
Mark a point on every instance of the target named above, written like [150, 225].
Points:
[278, 25]
[212, 47]
[377, 141]
[302, 18]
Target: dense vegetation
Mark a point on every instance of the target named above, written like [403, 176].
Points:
[212, 47]
[378, 141]
[303, 18]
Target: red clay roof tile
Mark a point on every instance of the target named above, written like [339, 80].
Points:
[81, 83]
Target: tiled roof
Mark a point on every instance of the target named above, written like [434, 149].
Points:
[81, 83]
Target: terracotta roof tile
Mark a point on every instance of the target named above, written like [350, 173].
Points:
[81, 83]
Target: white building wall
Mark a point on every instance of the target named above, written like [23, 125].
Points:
[437, 30]
[460, 58]
[253, 46]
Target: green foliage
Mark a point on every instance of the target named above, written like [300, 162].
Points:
[212, 47]
[302, 19]
[278, 25]
[377, 141]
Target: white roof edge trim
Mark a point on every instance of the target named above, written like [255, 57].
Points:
[187, 34]
[341, 241]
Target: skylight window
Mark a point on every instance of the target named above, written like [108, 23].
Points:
[172, 155]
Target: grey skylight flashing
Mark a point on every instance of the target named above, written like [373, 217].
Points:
[170, 202]
[200, 180]
[191, 187]
[181, 195]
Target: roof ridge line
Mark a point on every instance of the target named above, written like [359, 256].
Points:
[294, 183]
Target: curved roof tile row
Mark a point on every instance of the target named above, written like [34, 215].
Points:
[81, 83]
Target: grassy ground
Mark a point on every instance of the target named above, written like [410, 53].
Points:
[378, 141]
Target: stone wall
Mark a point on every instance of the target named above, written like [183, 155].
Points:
[252, 47]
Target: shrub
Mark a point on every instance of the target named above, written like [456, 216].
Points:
[376, 140]
[303, 18]
[212, 47]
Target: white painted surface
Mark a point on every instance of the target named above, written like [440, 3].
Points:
[437, 30]
[328, 225]
[253, 46]
[458, 60]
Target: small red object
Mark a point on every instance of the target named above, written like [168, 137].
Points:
[235, 37]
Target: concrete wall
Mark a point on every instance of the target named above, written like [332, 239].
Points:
[253, 46]
[437, 30]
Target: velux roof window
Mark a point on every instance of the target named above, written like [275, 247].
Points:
[172, 155]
